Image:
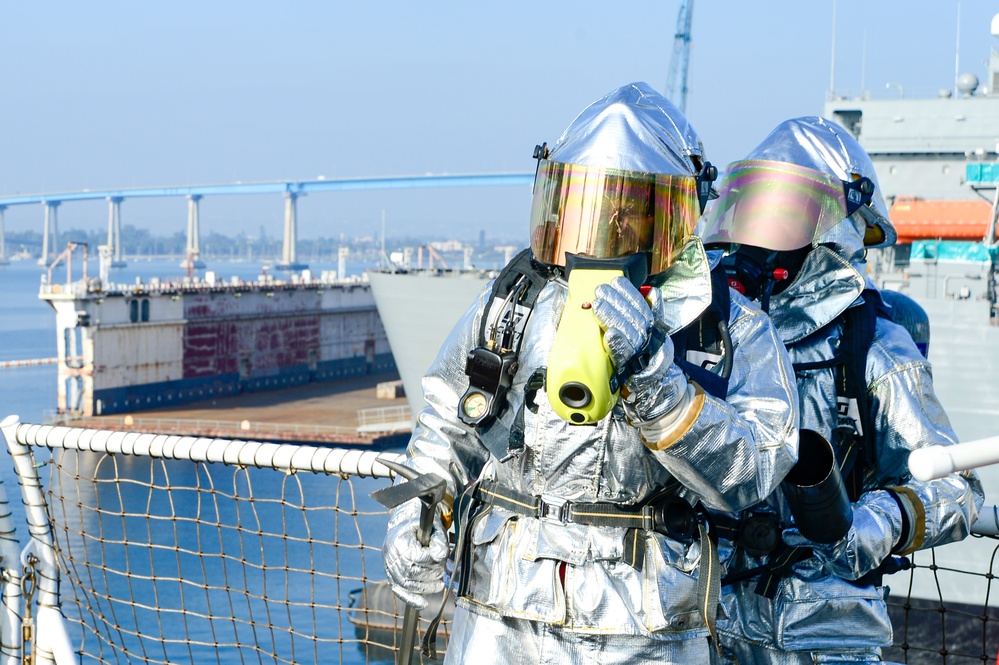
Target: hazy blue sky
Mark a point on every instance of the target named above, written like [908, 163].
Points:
[120, 94]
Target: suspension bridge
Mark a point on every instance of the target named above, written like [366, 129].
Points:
[291, 190]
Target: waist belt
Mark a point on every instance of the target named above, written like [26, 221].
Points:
[666, 513]
[670, 514]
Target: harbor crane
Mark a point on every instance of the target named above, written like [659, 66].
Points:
[676, 83]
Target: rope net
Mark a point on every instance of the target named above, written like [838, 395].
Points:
[931, 630]
[166, 560]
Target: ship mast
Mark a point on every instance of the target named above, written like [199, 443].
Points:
[676, 83]
[832, 64]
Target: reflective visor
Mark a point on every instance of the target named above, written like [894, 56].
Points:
[606, 213]
[774, 205]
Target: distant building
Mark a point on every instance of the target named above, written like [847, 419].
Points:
[447, 245]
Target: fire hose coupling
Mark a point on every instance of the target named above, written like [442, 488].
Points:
[815, 492]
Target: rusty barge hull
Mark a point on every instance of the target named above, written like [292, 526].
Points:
[143, 346]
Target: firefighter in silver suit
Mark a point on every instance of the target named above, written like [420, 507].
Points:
[582, 543]
[798, 215]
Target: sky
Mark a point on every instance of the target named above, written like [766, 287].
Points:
[118, 94]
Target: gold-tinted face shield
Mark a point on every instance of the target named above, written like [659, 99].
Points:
[607, 213]
[776, 205]
[784, 206]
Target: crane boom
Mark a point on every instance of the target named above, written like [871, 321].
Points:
[676, 84]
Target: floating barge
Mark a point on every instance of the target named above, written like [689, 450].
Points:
[129, 347]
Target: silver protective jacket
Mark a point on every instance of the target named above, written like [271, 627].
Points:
[813, 610]
[726, 454]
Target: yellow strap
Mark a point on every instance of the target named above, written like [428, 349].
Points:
[709, 584]
[917, 519]
[684, 424]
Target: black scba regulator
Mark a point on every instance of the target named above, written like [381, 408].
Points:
[490, 374]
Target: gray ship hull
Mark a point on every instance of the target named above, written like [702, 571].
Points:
[418, 309]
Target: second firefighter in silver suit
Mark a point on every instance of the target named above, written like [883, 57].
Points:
[787, 209]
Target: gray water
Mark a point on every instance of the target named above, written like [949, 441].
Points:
[27, 330]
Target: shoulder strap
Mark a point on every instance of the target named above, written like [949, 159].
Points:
[516, 287]
[720, 294]
[704, 344]
[514, 294]
[857, 458]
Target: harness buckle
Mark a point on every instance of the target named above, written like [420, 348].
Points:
[557, 509]
[648, 517]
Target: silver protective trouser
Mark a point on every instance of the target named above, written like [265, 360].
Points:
[742, 653]
[815, 612]
[566, 581]
[482, 640]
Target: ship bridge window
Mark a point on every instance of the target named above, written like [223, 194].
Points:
[851, 119]
[138, 310]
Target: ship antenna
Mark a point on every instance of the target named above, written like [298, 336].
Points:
[957, 49]
[863, 67]
[832, 64]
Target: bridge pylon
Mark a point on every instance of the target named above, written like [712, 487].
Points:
[50, 234]
[191, 261]
[289, 254]
[3, 247]
[114, 232]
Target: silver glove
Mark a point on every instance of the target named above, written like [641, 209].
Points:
[412, 569]
[628, 319]
[877, 526]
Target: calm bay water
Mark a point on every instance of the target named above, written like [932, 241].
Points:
[27, 331]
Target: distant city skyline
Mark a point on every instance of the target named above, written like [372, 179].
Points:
[138, 241]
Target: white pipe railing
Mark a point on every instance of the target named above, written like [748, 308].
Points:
[987, 523]
[51, 643]
[286, 457]
[936, 461]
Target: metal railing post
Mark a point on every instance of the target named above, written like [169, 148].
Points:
[51, 641]
[10, 569]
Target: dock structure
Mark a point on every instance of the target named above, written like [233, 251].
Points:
[354, 412]
[129, 347]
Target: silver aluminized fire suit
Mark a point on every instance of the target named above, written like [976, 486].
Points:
[818, 615]
[542, 590]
